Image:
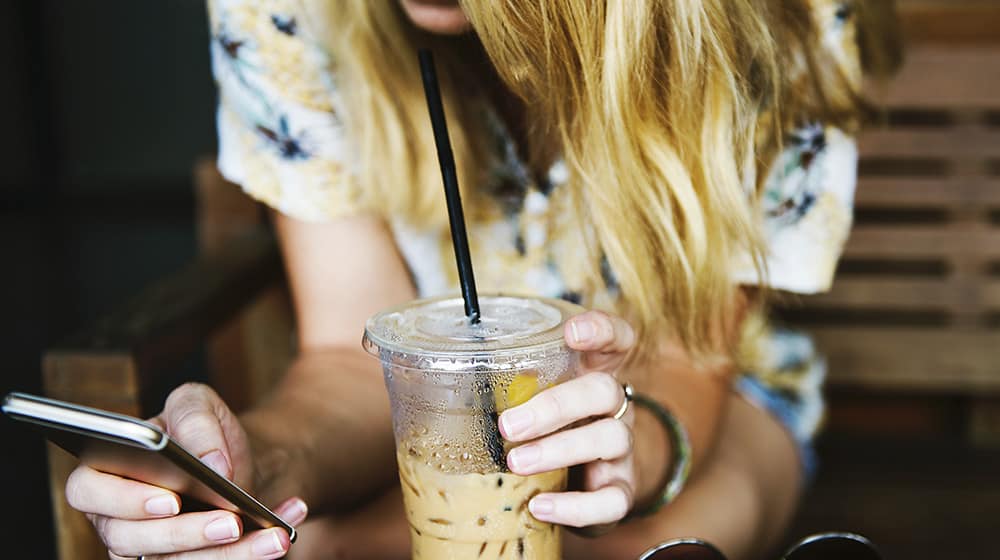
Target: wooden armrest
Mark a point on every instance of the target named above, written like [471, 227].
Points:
[110, 363]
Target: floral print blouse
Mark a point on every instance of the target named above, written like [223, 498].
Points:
[280, 138]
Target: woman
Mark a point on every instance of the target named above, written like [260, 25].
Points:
[659, 162]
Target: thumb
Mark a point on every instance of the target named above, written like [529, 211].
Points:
[191, 417]
[603, 338]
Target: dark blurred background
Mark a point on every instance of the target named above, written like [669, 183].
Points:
[106, 106]
[109, 105]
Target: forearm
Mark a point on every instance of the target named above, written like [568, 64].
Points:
[741, 500]
[695, 391]
[698, 400]
[325, 434]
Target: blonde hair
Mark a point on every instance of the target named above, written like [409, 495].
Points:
[653, 104]
[373, 50]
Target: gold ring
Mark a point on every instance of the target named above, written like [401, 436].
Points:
[629, 392]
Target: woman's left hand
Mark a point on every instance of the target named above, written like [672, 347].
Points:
[603, 446]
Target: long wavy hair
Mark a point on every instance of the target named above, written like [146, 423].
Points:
[655, 106]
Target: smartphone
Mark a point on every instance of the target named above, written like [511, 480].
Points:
[131, 448]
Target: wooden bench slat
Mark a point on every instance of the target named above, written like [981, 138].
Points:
[891, 293]
[909, 192]
[990, 292]
[915, 359]
[950, 21]
[968, 296]
[963, 142]
[945, 77]
[881, 241]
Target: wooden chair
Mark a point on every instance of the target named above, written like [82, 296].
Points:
[914, 311]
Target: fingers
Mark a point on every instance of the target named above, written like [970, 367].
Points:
[608, 504]
[605, 439]
[99, 493]
[260, 545]
[596, 331]
[190, 531]
[213, 531]
[293, 511]
[605, 447]
[191, 418]
[594, 394]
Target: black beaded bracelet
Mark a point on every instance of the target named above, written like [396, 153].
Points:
[680, 464]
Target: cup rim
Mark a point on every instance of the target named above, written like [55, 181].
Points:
[488, 354]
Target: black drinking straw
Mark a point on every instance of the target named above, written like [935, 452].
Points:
[455, 215]
[488, 420]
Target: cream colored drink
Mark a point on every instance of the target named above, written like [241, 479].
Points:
[457, 516]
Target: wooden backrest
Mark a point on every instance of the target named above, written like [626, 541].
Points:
[248, 353]
[916, 303]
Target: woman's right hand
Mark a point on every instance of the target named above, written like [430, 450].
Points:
[136, 519]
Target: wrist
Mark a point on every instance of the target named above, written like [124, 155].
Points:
[662, 476]
[652, 452]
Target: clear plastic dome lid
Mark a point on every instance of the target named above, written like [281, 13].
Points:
[435, 333]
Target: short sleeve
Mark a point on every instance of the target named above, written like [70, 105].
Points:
[279, 134]
[808, 200]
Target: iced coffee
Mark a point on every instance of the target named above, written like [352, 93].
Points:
[448, 381]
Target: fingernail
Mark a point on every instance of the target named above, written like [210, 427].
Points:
[222, 530]
[163, 505]
[267, 543]
[217, 462]
[541, 506]
[524, 457]
[516, 420]
[294, 513]
[582, 331]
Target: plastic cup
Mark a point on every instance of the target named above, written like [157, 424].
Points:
[448, 380]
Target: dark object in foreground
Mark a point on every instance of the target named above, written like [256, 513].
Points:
[826, 546]
[684, 549]
[834, 546]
